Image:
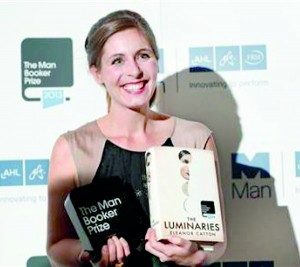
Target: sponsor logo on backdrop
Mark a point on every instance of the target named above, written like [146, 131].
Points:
[258, 165]
[47, 70]
[244, 264]
[201, 58]
[228, 58]
[251, 176]
[36, 172]
[24, 172]
[43, 260]
[261, 264]
[161, 61]
[11, 172]
[254, 57]
[297, 163]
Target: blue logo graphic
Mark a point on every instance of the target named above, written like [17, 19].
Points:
[260, 164]
[36, 172]
[235, 264]
[216, 264]
[244, 264]
[46, 63]
[161, 61]
[297, 163]
[228, 58]
[52, 98]
[11, 172]
[261, 264]
[201, 59]
[254, 57]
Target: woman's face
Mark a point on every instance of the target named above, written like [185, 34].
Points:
[128, 69]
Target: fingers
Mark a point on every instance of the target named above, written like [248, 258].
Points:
[125, 246]
[155, 244]
[175, 249]
[162, 257]
[104, 256]
[178, 241]
[155, 247]
[187, 245]
[147, 236]
[112, 250]
[115, 251]
[121, 248]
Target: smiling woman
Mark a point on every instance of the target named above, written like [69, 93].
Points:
[107, 26]
[122, 56]
[128, 69]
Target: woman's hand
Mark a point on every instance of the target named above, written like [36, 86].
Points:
[113, 253]
[176, 249]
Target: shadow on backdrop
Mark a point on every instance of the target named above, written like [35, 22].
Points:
[259, 231]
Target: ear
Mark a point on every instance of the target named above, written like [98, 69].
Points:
[96, 74]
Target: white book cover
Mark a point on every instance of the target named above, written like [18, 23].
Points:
[183, 194]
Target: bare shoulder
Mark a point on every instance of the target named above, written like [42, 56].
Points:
[62, 174]
[191, 126]
[62, 169]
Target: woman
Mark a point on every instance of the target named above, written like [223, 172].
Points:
[123, 56]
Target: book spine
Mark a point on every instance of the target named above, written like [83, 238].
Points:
[86, 244]
[153, 192]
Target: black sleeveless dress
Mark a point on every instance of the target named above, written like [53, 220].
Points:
[130, 167]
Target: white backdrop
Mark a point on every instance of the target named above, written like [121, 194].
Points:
[249, 98]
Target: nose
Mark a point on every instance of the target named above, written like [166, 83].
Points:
[133, 68]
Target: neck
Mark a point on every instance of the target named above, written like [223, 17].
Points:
[136, 130]
[130, 122]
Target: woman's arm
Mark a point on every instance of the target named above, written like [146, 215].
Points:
[63, 248]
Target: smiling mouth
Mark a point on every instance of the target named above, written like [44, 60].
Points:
[134, 87]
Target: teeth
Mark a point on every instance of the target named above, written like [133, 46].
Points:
[133, 87]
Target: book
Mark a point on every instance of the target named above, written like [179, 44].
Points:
[183, 194]
[104, 208]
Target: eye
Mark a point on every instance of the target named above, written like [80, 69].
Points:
[117, 61]
[143, 56]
